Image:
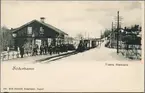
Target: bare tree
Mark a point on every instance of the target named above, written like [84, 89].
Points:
[6, 38]
[79, 36]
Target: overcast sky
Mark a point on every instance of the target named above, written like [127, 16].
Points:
[73, 17]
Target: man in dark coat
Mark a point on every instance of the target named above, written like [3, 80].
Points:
[41, 49]
[22, 51]
[45, 49]
[57, 49]
[37, 47]
[50, 49]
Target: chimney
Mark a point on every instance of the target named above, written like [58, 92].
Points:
[42, 19]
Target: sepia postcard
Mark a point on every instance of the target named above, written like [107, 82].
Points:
[72, 46]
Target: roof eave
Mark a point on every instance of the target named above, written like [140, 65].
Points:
[52, 27]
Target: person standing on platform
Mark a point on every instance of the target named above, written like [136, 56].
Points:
[45, 49]
[22, 51]
[37, 47]
[35, 50]
[57, 49]
[50, 49]
[41, 49]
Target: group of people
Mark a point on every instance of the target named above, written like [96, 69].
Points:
[42, 50]
[45, 49]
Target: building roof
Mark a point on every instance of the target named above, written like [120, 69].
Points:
[45, 24]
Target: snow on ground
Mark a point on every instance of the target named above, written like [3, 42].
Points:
[100, 53]
[83, 72]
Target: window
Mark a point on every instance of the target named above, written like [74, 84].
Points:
[29, 31]
[41, 30]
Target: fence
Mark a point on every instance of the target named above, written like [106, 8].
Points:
[7, 55]
[131, 51]
[12, 55]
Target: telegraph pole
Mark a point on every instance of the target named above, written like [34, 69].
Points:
[117, 32]
[112, 26]
[111, 36]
